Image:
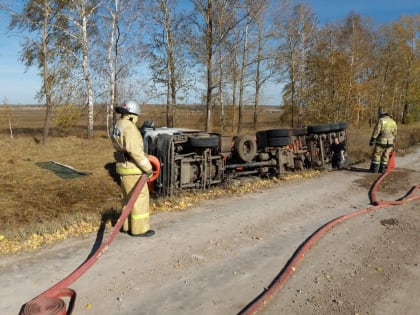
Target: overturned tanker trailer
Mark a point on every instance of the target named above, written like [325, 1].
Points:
[193, 159]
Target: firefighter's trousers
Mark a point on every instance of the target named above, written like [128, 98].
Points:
[380, 154]
[138, 221]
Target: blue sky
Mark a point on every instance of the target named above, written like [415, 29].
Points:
[19, 85]
[383, 11]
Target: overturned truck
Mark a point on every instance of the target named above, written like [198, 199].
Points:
[191, 159]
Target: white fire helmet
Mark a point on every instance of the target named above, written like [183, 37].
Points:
[128, 107]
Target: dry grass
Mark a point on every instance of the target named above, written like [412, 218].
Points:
[35, 200]
[358, 140]
[37, 207]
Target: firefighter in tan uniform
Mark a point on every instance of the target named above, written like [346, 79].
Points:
[131, 163]
[383, 138]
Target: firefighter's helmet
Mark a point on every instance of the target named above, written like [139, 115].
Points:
[382, 113]
[128, 107]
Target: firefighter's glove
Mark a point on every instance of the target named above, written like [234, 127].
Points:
[372, 141]
[149, 174]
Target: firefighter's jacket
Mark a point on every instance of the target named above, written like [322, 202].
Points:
[128, 143]
[385, 131]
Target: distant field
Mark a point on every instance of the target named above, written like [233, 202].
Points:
[30, 119]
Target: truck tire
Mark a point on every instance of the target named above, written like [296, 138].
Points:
[261, 139]
[319, 128]
[204, 141]
[335, 127]
[245, 148]
[278, 142]
[343, 125]
[299, 131]
[275, 133]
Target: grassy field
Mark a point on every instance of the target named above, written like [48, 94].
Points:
[38, 207]
[30, 119]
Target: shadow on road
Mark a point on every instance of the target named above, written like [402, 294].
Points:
[358, 169]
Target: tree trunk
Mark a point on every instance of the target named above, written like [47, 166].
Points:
[209, 47]
[46, 81]
[112, 77]
[172, 80]
[242, 78]
[86, 75]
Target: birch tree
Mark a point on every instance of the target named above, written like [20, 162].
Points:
[168, 62]
[356, 42]
[242, 71]
[325, 72]
[209, 26]
[406, 33]
[111, 21]
[41, 19]
[119, 49]
[80, 16]
[226, 51]
[297, 39]
[262, 55]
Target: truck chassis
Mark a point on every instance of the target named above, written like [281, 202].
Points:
[196, 160]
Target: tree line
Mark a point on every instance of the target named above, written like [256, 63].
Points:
[222, 51]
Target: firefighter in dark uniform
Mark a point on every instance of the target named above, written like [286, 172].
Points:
[382, 139]
[131, 163]
[337, 151]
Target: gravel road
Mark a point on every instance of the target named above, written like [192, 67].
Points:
[216, 257]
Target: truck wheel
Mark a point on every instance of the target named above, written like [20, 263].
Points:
[299, 131]
[204, 141]
[334, 126]
[343, 125]
[278, 142]
[261, 139]
[319, 128]
[275, 133]
[245, 148]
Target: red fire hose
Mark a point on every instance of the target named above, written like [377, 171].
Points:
[290, 266]
[50, 302]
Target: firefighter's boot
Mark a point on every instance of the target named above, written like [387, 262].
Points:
[374, 168]
[382, 168]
